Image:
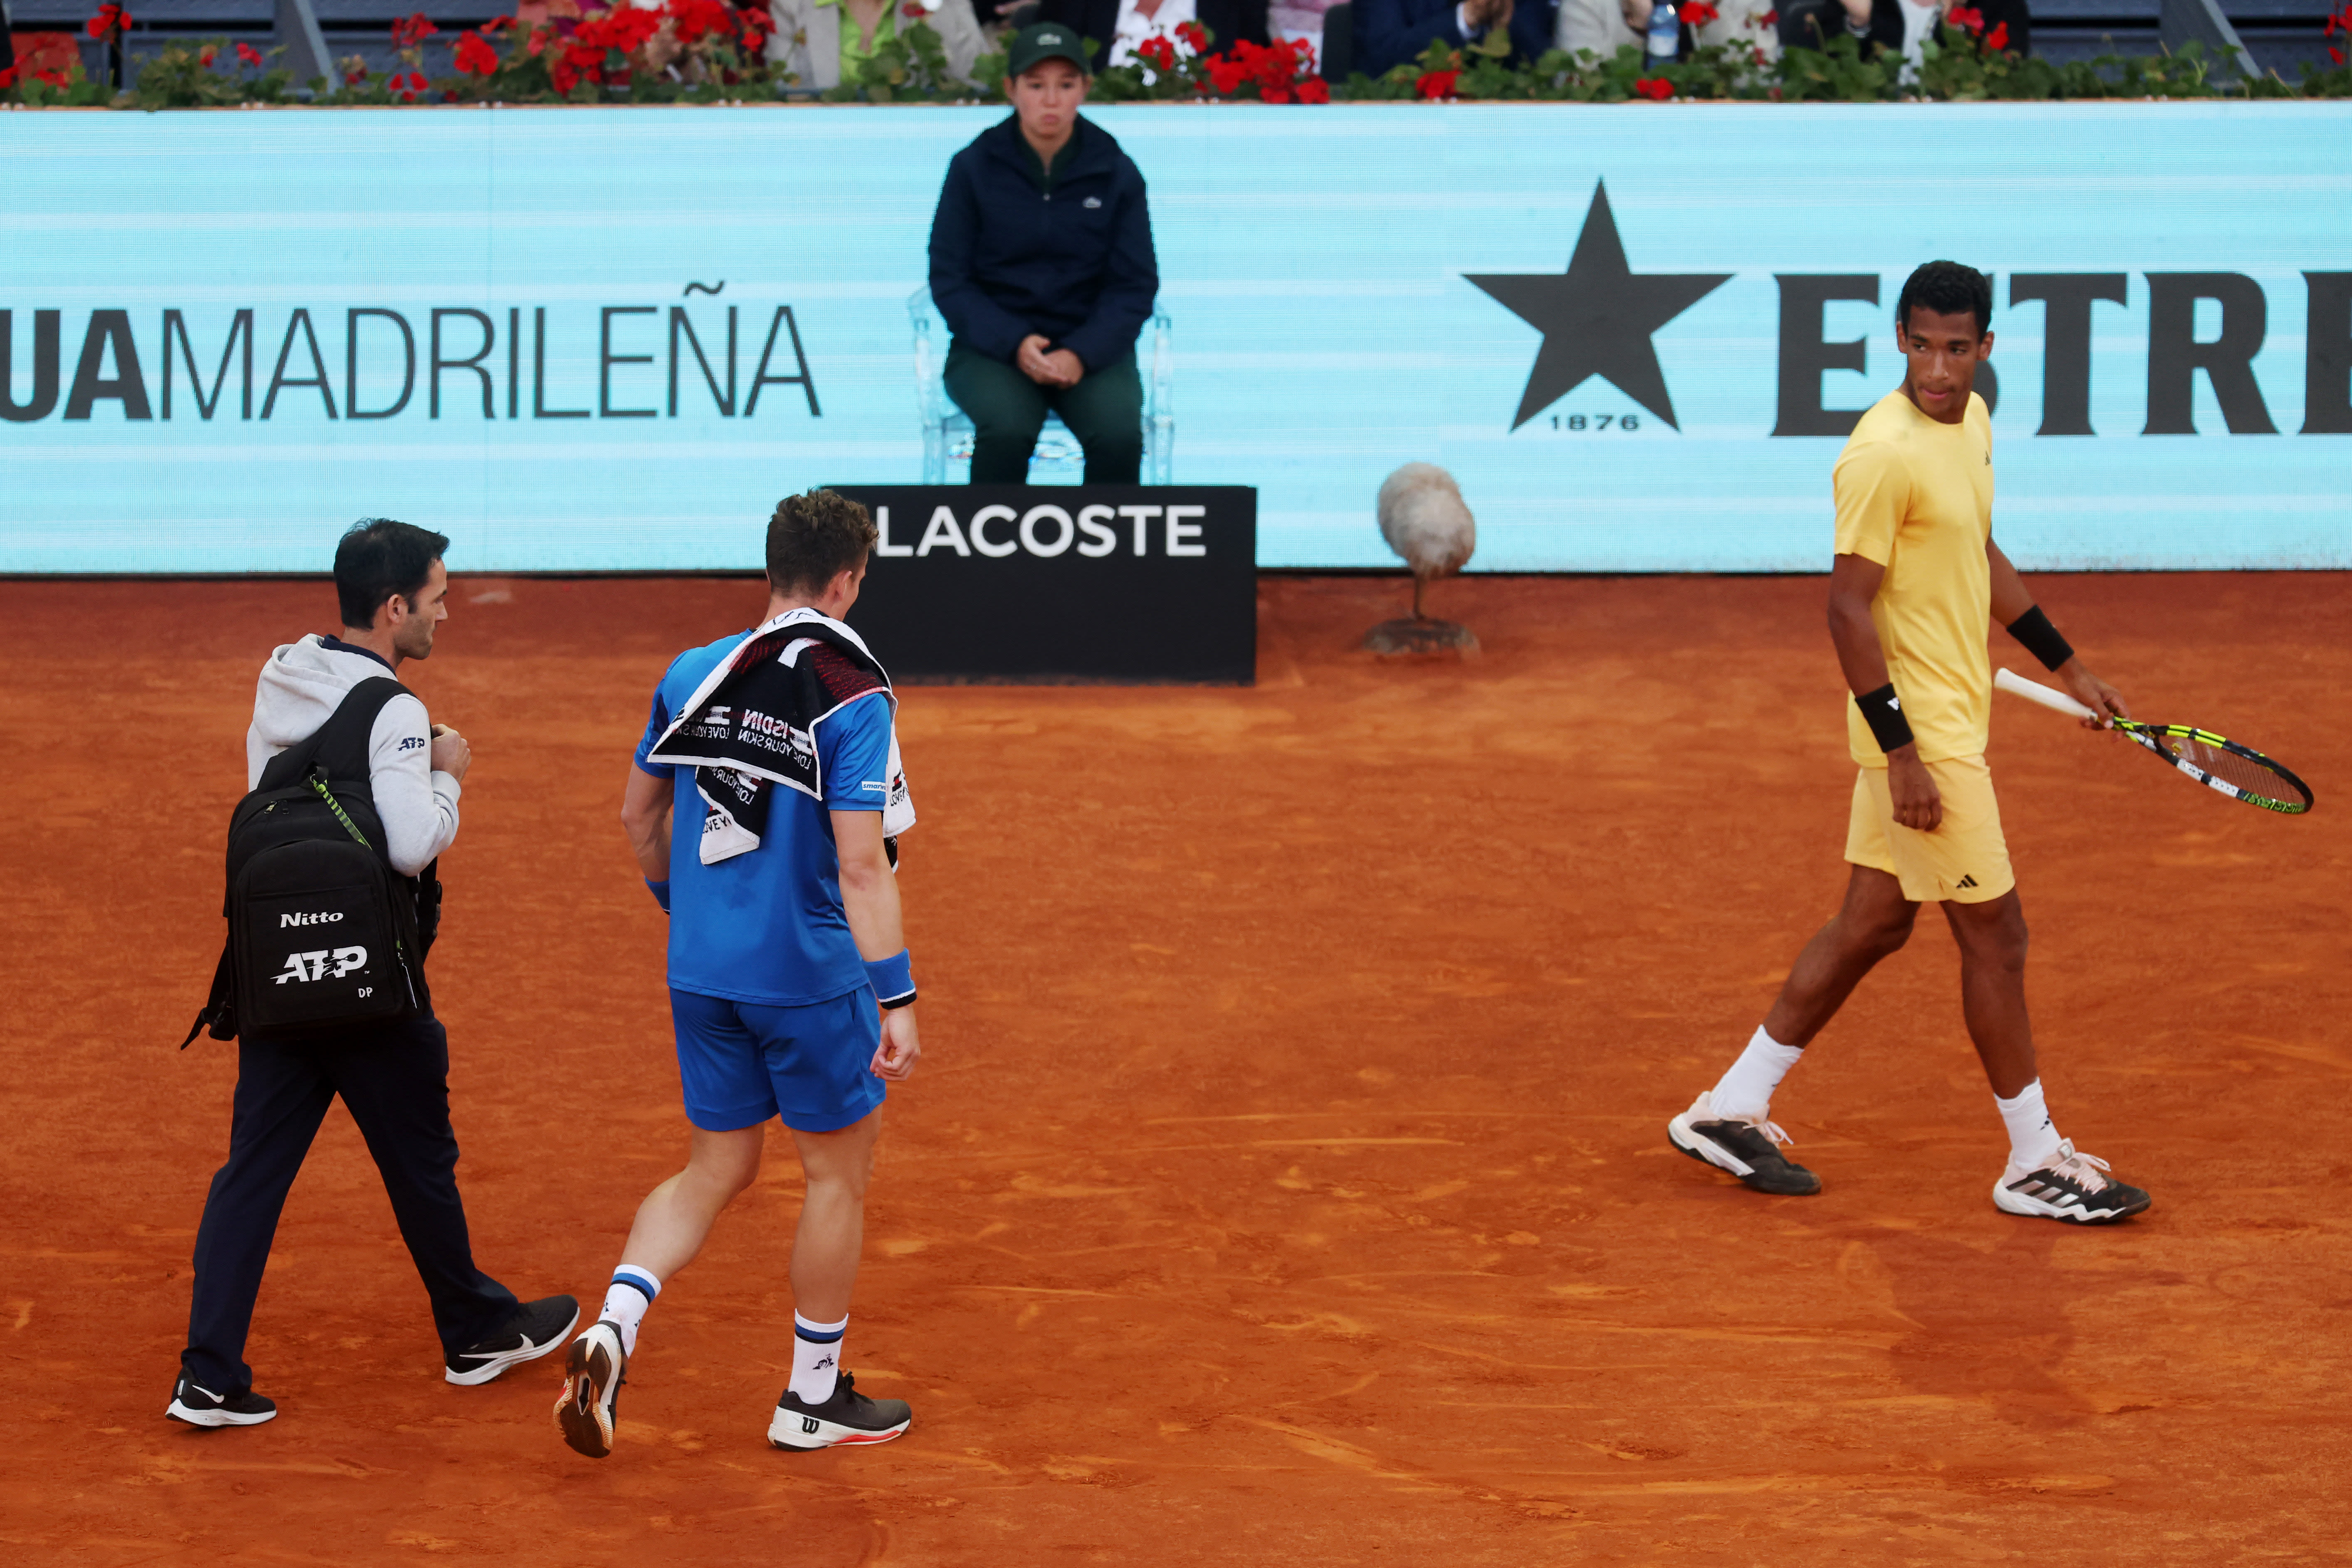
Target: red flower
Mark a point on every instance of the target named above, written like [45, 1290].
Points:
[1156, 52]
[412, 30]
[355, 76]
[1226, 74]
[248, 54]
[205, 56]
[110, 18]
[1965, 19]
[1193, 35]
[1435, 84]
[1997, 39]
[911, 11]
[1768, 19]
[1697, 13]
[1314, 89]
[8, 77]
[475, 56]
[1657, 88]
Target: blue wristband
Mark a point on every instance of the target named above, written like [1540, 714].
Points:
[893, 979]
[660, 890]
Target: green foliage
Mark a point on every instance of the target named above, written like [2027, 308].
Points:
[911, 67]
[76, 91]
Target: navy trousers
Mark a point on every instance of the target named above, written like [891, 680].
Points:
[394, 1080]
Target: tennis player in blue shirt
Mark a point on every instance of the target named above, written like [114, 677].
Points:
[763, 805]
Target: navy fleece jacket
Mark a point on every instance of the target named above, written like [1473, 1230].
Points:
[1068, 258]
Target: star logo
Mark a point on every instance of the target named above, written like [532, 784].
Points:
[1597, 318]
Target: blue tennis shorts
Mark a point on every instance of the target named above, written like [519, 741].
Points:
[740, 1063]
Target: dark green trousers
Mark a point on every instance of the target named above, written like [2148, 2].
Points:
[1105, 412]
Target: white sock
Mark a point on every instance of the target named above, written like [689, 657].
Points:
[1745, 1092]
[631, 1291]
[2033, 1137]
[817, 1358]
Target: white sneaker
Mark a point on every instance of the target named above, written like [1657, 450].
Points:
[2070, 1187]
[1748, 1150]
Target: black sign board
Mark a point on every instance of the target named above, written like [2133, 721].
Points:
[1049, 584]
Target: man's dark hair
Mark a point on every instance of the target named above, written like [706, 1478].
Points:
[814, 537]
[1947, 289]
[378, 558]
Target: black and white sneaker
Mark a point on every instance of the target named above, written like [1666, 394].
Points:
[535, 1329]
[847, 1417]
[1748, 1150]
[2074, 1188]
[200, 1407]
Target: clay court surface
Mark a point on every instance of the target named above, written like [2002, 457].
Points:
[1285, 1181]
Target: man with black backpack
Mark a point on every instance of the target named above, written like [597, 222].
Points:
[331, 903]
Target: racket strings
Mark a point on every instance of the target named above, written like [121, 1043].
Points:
[2241, 770]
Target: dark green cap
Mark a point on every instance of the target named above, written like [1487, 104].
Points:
[1041, 41]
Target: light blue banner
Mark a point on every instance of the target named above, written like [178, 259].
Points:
[1316, 266]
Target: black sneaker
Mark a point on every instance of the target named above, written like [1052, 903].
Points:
[588, 1408]
[2073, 1188]
[200, 1407]
[847, 1417]
[1748, 1150]
[534, 1329]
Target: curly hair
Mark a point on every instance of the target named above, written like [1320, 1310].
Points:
[1945, 288]
[814, 537]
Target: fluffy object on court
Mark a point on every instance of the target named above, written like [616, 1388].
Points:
[1426, 523]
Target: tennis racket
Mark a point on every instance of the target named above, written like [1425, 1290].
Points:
[2239, 772]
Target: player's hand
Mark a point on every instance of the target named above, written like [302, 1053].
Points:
[1031, 360]
[2092, 693]
[1918, 805]
[450, 753]
[901, 1047]
[1066, 368]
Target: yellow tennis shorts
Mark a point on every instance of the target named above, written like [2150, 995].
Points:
[1966, 859]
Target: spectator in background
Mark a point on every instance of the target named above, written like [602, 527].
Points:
[1901, 27]
[1391, 33]
[1296, 19]
[823, 42]
[1604, 27]
[1115, 27]
[1042, 263]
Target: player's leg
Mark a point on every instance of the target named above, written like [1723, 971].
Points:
[821, 1060]
[1729, 1126]
[395, 1083]
[728, 1102]
[1006, 408]
[1968, 856]
[281, 1098]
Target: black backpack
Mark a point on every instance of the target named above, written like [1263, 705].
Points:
[324, 934]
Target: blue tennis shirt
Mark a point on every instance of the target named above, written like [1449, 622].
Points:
[768, 927]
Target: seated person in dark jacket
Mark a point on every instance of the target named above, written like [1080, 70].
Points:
[1116, 26]
[1041, 262]
[1391, 33]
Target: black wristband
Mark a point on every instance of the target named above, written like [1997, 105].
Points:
[896, 1002]
[2041, 638]
[1883, 711]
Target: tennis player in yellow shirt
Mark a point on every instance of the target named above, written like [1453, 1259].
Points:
[1916, 582]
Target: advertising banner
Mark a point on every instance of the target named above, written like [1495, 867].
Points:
[1120, 583]
[609, 340]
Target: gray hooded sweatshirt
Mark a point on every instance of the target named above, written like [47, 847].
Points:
[300, 689]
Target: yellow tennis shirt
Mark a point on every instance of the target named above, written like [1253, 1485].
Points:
[1916, 496]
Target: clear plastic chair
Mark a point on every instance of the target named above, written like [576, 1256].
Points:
[948, 437]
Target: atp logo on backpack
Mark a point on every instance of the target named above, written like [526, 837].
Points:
[314, 965]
